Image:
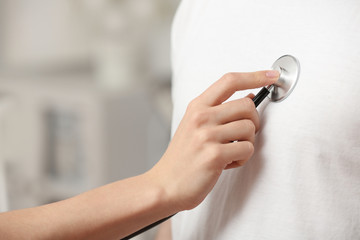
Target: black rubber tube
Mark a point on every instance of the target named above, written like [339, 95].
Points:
[260, 96]
[147, 228]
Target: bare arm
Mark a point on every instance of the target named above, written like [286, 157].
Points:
[212, 136]
[109, 212]
[164, 231]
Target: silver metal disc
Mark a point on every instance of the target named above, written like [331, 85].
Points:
[289, 68]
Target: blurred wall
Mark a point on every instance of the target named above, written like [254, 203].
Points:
[84, 93]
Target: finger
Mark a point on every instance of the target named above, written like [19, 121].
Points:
[235, 164]
[237, 151]
[243, 108]
[251, 96]
[243, 130]
[226, 86]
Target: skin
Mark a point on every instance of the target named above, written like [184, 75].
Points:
[212, 136]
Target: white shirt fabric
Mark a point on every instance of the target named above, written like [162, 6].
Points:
[303, 181]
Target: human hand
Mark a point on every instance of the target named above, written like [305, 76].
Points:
[211, 137]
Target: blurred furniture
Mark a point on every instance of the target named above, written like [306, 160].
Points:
[90, 84]
[65, 137]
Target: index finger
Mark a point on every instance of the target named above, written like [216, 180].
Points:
[226, 86]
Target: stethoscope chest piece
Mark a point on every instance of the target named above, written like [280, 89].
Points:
[289, 68]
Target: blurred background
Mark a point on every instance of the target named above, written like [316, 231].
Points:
[84, 94]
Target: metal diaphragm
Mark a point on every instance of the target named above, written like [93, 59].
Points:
[289, 68]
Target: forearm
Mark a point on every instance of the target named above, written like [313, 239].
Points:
[109, 212]
[164, 231]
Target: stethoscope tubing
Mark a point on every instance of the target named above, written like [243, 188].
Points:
[146, 228]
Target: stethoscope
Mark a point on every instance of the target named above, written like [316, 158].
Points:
[289, 68]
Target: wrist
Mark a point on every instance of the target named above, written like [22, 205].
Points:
[163, 195]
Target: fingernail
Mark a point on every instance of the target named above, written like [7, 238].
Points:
[272, 74]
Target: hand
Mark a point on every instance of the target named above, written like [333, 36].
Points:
[211, 137]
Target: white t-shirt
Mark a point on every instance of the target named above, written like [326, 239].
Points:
[303, 181]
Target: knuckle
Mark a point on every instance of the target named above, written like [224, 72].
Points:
[252, 138]
[199, 118]
[204, 136]
[192, 105]
[250, 149]
[248, 104]
[214, 152]
[250, 125]
[256, 121]
[229, 78]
